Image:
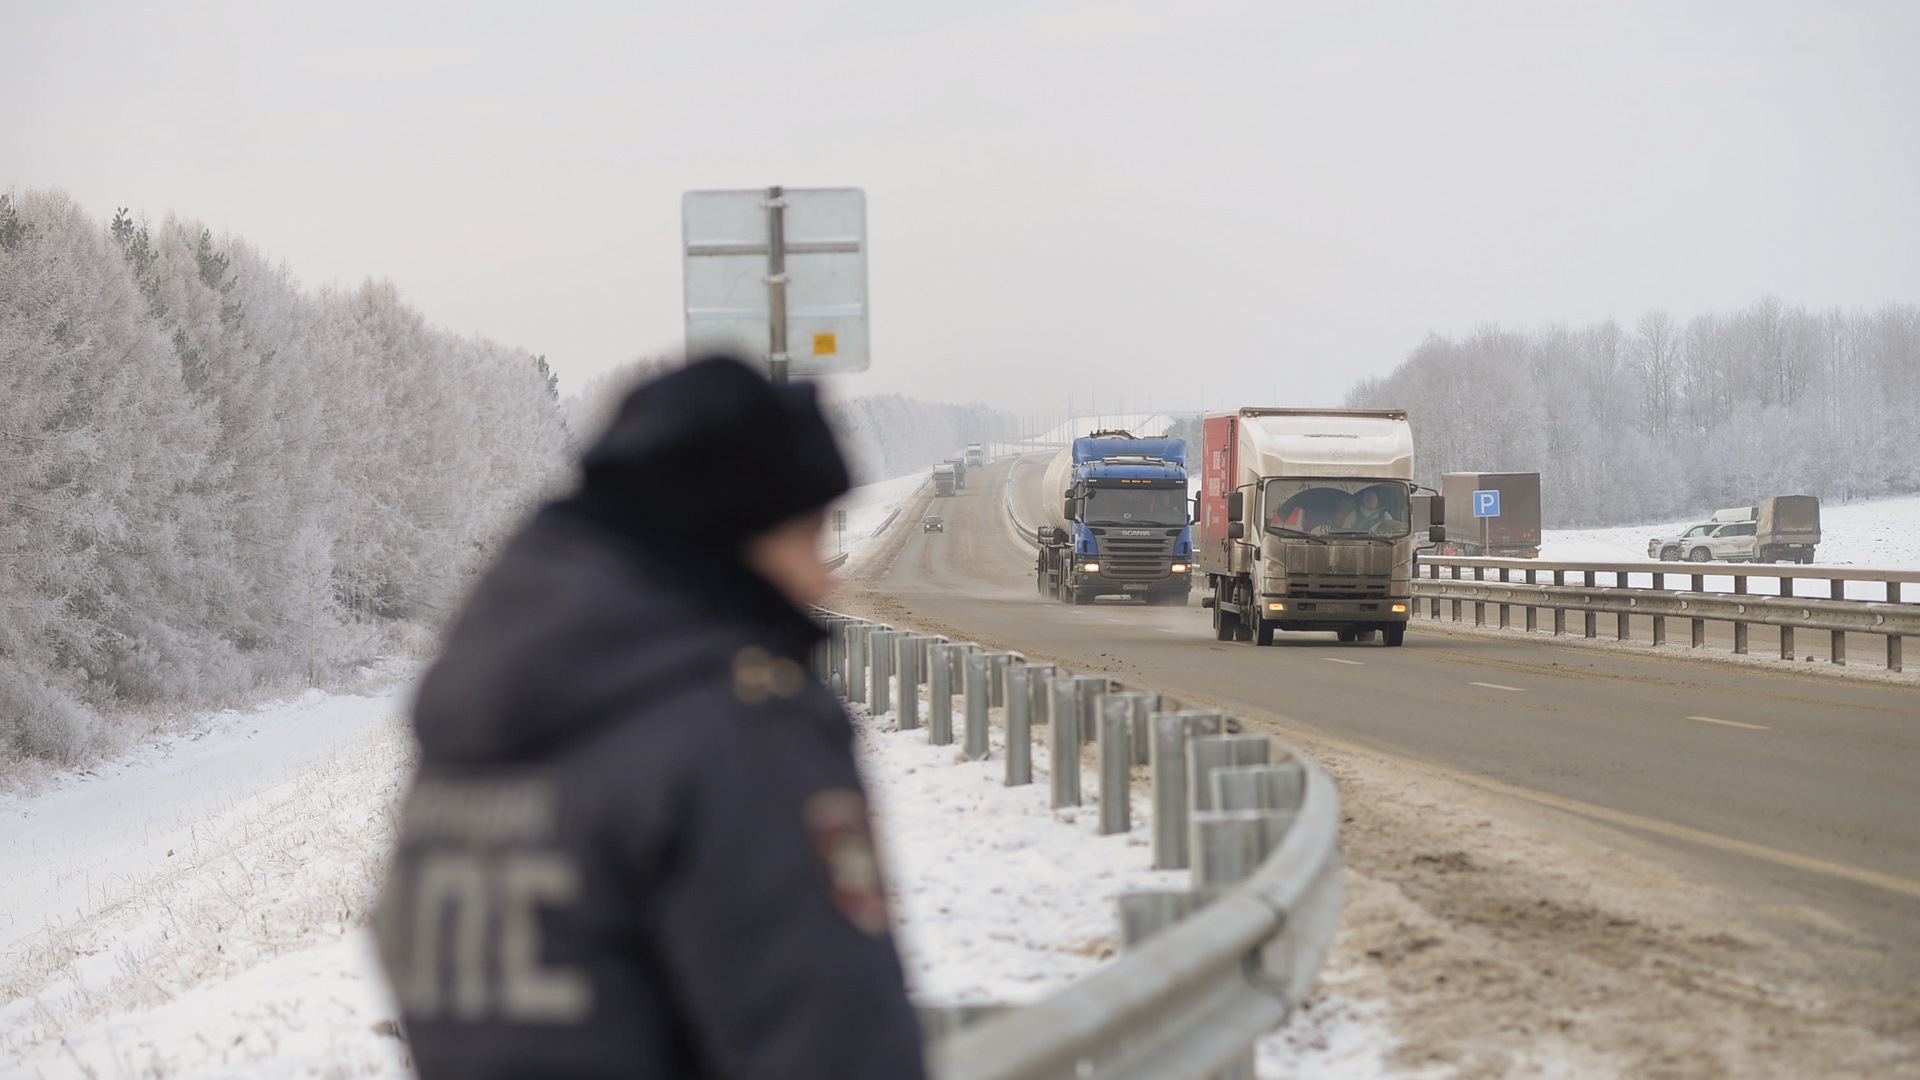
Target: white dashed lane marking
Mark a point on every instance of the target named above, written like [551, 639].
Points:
[1497, 686]
[1730, 723]
[1337, 660]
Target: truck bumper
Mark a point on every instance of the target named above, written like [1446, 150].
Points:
[1102, 584]
[1310, 613]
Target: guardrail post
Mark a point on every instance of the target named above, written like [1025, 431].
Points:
[1699, 625]
[881, 646]
[1893, 640]
[837, 647]
[1019, 726]
[1479, 606]
[1229, 845]
[1039, 678]
[1116, 759]
[1259, 787]
[1206, 753]
[907, 662]
[940, 694]
[1456, 603]
[1590, 619]
[1533, 613]
[1559, 614]
[1659, 621]
[1092, 689]
[1506, 620]
[1171, 731]
[857, 661]
[926, 651]
[1145, 704]
[997, 677]
[1837, 590]
[1149, 911]
[979, 672]
[1063, 740]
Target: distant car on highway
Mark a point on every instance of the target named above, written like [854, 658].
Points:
[933, 523]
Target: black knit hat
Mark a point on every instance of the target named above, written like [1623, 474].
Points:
[718, 450]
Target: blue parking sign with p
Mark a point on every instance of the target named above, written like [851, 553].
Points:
[1486, 504]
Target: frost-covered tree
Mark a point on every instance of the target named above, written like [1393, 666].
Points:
[1671, 418]
[212, 480]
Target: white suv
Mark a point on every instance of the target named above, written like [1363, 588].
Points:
[1730, 541]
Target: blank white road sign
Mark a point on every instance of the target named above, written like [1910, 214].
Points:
[728, 273]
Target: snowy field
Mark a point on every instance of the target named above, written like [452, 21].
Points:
[1882, 535]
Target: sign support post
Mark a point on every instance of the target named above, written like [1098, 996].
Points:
[776, 287]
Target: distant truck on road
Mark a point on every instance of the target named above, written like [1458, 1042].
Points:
[1117, 521]
[1512, 534]
[943, 479]
[1785, 528]
[1304, 522]
[976, 455]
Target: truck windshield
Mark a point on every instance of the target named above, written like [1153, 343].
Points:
[1337, 507]
[1135, 506]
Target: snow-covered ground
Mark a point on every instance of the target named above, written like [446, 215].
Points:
[1884, 535]
[867, 506]
[198, 906]
[1881, 535]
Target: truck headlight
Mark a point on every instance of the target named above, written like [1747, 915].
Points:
[1179, 568]
[1091, 568]
[1399, 609]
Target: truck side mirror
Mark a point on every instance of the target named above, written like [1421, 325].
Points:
[1236, 505]
[1436, 511]
[1236, 530]
[1066, 509]
[1437, 534]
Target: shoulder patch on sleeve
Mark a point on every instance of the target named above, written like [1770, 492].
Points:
[836, 821]
[759, 675]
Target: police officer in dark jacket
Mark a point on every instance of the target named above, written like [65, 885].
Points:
[638, 845]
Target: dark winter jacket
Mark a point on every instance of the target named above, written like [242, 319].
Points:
[637, 846]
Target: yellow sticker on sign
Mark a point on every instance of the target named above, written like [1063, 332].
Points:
[824, 345]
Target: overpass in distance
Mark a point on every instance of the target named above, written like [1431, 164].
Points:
[1796, 794]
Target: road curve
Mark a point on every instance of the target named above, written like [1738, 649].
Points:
[1796, 792]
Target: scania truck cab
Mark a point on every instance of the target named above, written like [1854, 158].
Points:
[1305, 523]
[1118, 521]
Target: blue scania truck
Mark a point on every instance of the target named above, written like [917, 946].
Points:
[1118, 521]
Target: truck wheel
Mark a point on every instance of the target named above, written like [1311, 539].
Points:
[1225, 624]
[1262, 631]
[1081, 597]
[1392, 636]
[1700, 555]
[1670, 553]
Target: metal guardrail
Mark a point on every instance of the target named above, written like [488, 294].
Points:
[1834, 614]
[1189, 1001]
[1021, 528]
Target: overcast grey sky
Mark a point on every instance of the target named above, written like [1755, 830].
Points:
[1148, 200]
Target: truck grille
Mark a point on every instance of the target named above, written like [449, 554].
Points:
[1135, 557]
[1337, 586]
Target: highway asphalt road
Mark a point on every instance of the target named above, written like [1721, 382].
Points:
[1798, 793]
